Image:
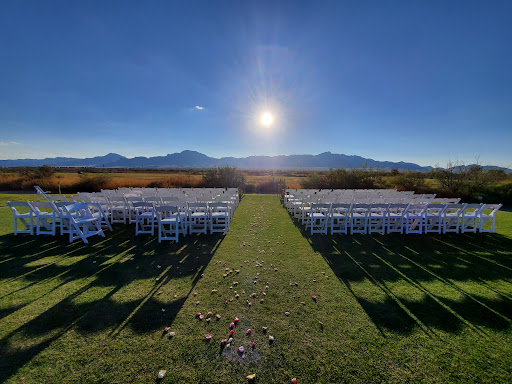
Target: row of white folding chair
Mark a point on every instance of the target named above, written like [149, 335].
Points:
[408, 218]
[75, 219]
[171, 220]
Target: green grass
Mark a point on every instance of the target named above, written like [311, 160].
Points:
[402, 308]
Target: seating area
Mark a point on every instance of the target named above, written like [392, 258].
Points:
[386, 211]
[169, 211]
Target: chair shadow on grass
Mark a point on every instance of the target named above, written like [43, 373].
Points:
[40, 267]
[432, 282]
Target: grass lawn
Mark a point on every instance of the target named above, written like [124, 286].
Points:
[392, 308]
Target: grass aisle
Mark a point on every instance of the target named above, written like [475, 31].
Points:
[339, 308]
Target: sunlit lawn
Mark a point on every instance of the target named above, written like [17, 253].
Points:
[402, 308]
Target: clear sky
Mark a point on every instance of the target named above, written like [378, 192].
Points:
[418, 81]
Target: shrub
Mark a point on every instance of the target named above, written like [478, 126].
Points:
[92, 183]
[410, 181]
[223, 177]
[344, 179]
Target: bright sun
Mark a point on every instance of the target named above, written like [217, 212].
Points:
[266, 119]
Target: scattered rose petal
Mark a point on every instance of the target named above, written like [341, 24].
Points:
[161, 374]
[214, 290]
[159, 266]
[171, 334]
[241, 350]
[209, 314]
[223, 342]
[218, 317]
[294, 381]
[253, 345]
[236, 320]
[163, 309]
[231, 325]
[248, 332]
[251, 378]
[271, 339]
[198, 314]
[313, 297]
[195, 293]
[201, 317]
[231, 333]
[264, 329]
[287, 313]
[166, 329]
[208, 337]
[175, 296]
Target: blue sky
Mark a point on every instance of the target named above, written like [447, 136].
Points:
[418, 81]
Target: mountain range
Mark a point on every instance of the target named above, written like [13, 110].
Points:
[192, 159]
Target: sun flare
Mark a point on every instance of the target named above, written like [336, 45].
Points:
[266, 119]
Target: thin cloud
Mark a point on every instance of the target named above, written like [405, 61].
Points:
[3, 144]
[15, 143]
[199, 107]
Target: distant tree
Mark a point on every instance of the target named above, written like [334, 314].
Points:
[460, 179]
[223, 177]
[44, 172]
[394, 172]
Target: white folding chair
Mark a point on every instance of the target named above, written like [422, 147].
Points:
[451, 217]
[318, 218]
[129, 207]
[359, 218]
[144, 217]
[82, 223]
[168, 219]
[489, 217]
[218, 217]
[98, 212]
[155, 200]
[434, 218]
[377, 218]
[46, 217]
[41, 193]
[198, 217]
[470, 217]
[118, 209]
[396, 217]
[62, 216]
[339, 218]
[415, 218]
[24, 215]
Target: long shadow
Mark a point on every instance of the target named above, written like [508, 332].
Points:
[456, 261]
[111, 264]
